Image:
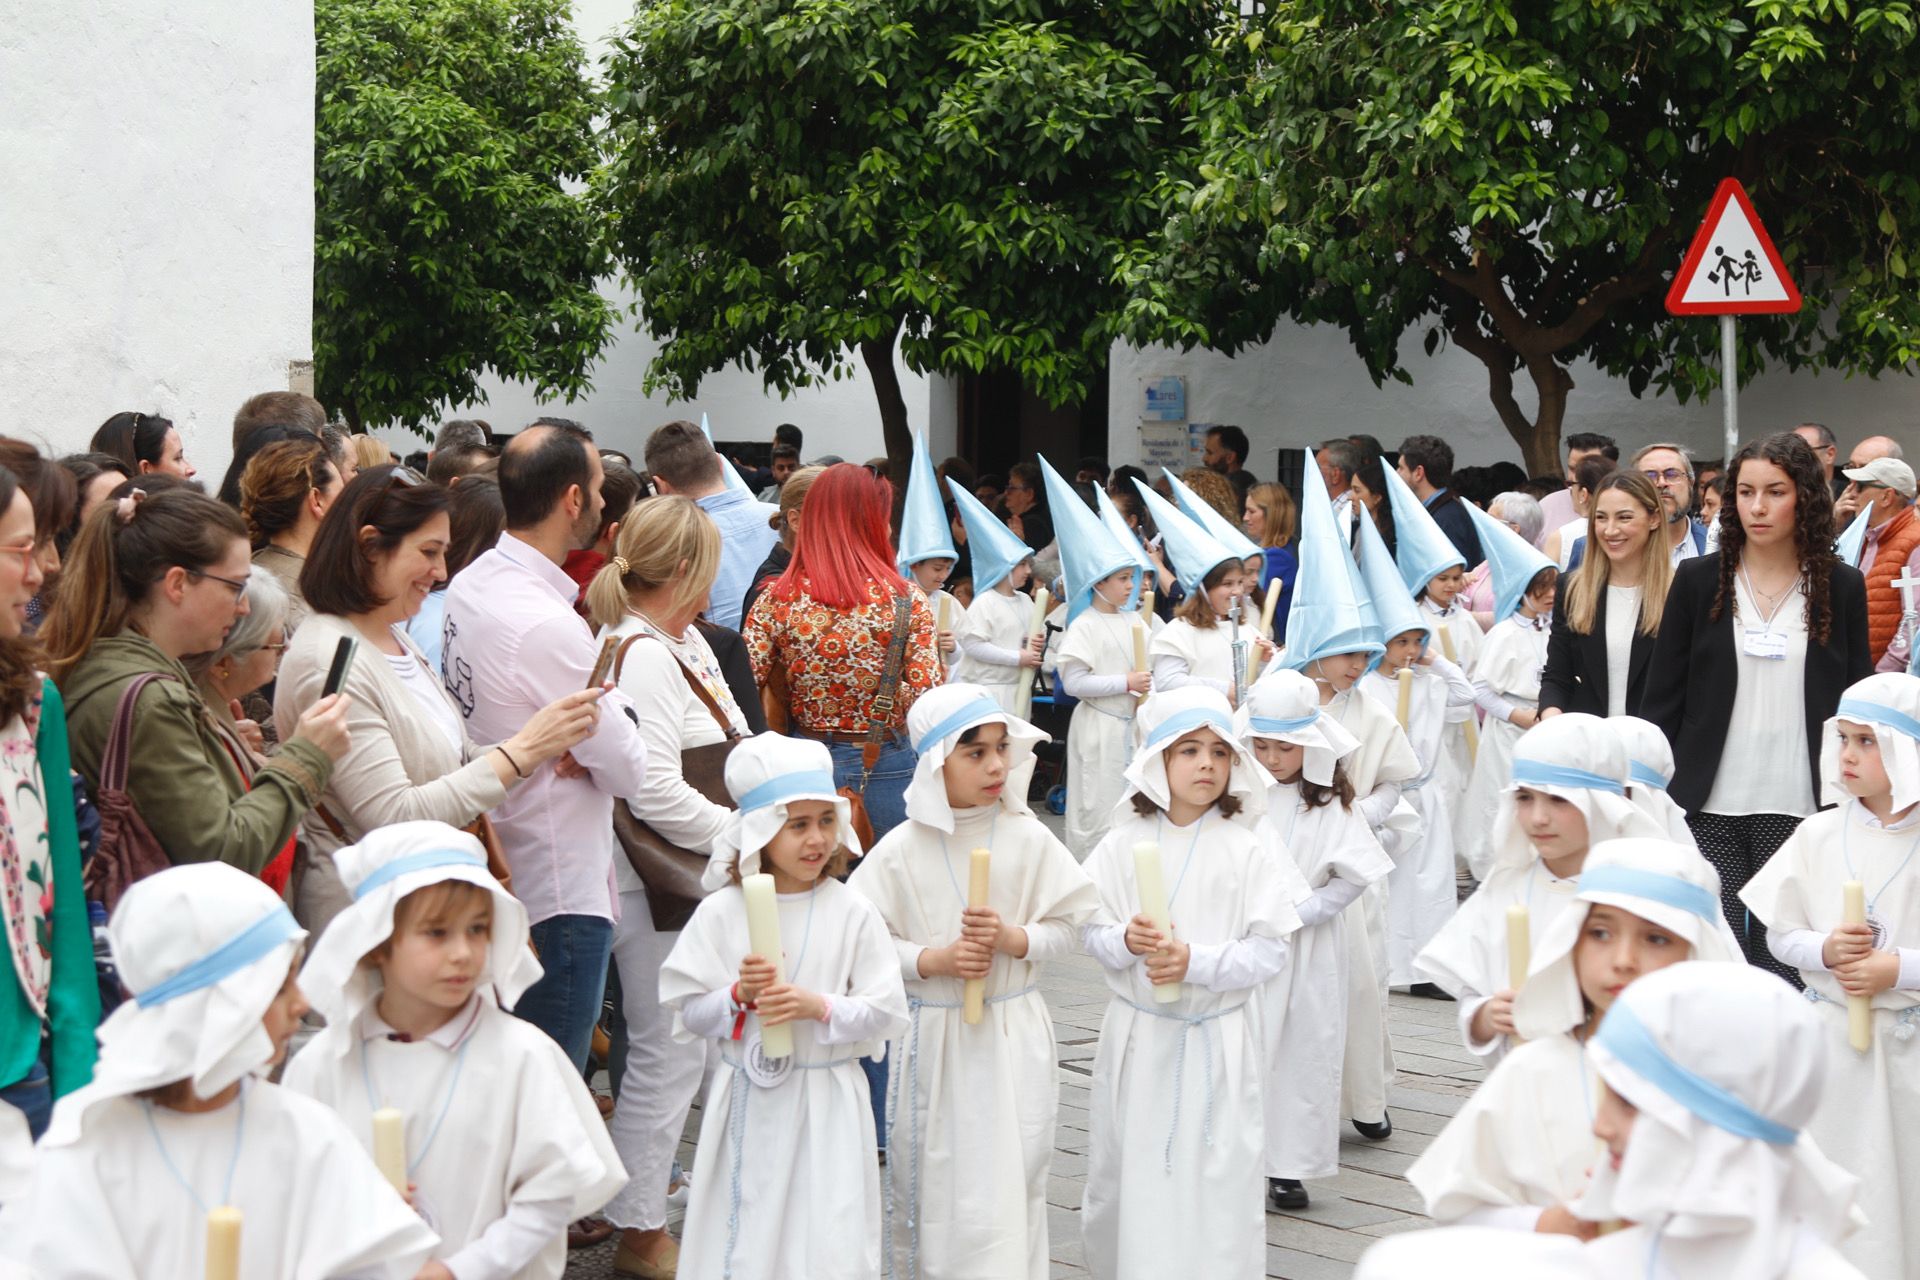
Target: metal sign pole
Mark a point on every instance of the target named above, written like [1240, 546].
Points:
[1730, 386]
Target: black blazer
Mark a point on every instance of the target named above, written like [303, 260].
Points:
[1575, 678]
[1694, 674]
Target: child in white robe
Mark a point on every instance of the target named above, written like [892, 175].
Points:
[1474, 1253]
[1649, 771]
[1506, 685]
[925, 550]
[931, 577]
[1312, 827]
[1459, 639]
[1178, 1136]
[176, 1121]
[1869, 1115]
[1710, 1073]
[971, 1108]
[415, 979]
[1568, 793]
[996, 649]
[1212, 636]
[784, 1177]
[1519, 1152]
[1097, 667]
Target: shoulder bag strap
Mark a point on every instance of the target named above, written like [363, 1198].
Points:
[880, 710]
[119, 751]
[693, 683]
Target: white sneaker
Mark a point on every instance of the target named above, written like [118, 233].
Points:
[677, 1200]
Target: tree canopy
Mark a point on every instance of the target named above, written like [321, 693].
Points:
[452, 236]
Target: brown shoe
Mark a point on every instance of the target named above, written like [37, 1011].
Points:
[588, 1232]
[628, 1263]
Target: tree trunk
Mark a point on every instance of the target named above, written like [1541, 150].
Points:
[895, 433]
[1541, 448]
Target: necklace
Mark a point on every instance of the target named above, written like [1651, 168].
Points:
[806, 935]
[947, 857]
[1192, 845]
[1873, 916]
[233, 1164]
[446, 1099]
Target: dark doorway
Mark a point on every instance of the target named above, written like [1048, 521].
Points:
[1002, 422]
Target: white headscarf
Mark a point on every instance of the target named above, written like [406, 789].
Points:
[1661, 882]
[1649, 771]
[1579, 758]
[1284, 706]
[764, 774]
[1165, 718]
[934, 726]
[204, 948]
[1474, 1253]
[1890, 703]
[386, 866]
[1725, 1065]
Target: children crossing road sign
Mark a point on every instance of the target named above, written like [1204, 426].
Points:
[1732, 268]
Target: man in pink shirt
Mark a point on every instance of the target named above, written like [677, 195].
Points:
[514, 644]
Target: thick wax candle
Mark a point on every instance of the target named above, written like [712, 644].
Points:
[223, 1243]
[390, 1146]
[1152, 882]
[1519, 945]
[974, 1000]
[1266, 629]
[1140, 646]
[1470, 724]
[1853, 910]
[763, 935]
[1404, 707]
[1146, 603]
[1037, 626]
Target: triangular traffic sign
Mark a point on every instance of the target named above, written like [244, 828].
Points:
[1732, 268]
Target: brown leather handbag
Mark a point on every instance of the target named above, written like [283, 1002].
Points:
[672, 874]
[128, 849]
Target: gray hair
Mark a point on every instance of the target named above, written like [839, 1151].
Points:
[266, 610]
[1520, 510]
[461, 433]
[1686, 459]
[1342, 454]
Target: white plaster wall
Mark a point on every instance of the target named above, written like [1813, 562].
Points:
[156, 213]
[1307, 385]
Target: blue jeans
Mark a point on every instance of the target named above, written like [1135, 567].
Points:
[34, 1098]
[886, 794]
[566, 1002]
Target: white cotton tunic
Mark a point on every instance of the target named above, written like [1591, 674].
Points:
[1183, 654]
[972, 1108]
[1765, 769]
[1304, 1007]
[1869, 1112]
[1458, 639]
[1100, 735]
[1421, 893]
[999, 622]
[1510, 665]
[496, 1117]
[1167, 1194]
[1644, 1253]
[809, 1190]
[1623, 621]
[109, 1204]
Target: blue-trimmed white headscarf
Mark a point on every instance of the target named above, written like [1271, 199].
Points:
[934, 725]
[388, 864]
[1165, 718]
[1579, 758]
[1285, 706]
[1649, 771]
[1890, 703]
[204, 948]
[765, 773]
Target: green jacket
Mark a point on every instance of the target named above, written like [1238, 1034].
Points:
[187, 788]
[73, 1000]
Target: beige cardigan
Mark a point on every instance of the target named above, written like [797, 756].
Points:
[399, 766]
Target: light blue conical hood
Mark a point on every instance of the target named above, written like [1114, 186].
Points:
[733, 477]
[924, 531]
[1116, 524]
[1853, 539]
[1393, 606]
[1202, 512]
[1513, 559]
[1192, 552]
[1421, 548]
[1088, 552]
[1330, 603]
[994, 549]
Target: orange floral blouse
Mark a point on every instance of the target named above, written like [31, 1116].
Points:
[834, 658]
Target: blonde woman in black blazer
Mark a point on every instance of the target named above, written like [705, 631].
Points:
[1616, 597]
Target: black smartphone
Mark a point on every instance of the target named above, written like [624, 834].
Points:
[608, 647]
[342, 659]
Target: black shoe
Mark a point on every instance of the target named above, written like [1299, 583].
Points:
[1375, 1132]
[1285, 1193]
[1428, 991]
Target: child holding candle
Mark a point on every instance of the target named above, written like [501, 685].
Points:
[1519, 1152]
[1214, 632]
[501, 1142]
[1178, 1134]
[1568, 792]
[971, 1107]
[1870, 767]
[997, 649]
[177, 1123]
[784, 1176]
[1326, 855]
[926, 552]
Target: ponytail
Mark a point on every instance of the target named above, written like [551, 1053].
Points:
[660, 540]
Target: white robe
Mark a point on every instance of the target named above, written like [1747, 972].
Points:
[1184, 654]
[107, 1206]
[972, 1108]
[809, 1191]
[502, 1118]
[1510, 665]
[999, 620]
[1523, 1142]
[1168, 1193]
[1422, 894]
[1869, 1116]
[1456, 761]
[1303, 1008]
[1100, 736]
[1644, 1253]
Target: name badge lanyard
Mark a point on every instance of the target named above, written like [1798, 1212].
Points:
[1763, 641]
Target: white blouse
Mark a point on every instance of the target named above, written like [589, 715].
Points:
[1764, 768]
[1623, 619]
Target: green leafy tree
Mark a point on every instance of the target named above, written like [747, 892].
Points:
[795, 184]
[1522, 179]
[453, 141]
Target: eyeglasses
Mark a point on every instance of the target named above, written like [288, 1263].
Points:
[239, 588]
[275, 648]
[1672, 475]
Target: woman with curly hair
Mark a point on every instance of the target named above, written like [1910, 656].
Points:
[1765, 635]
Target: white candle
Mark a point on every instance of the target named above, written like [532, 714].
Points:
[1853, 910]
[945, 623]
[390, 1146]
[974, 1000]
[223, 1243]
[1036, 627]
[1266, 629]
[1404, 708]
[1471, 725]
[1146, 603]
[1151, 880]
[1140, 648]
[1519, 945]
[763, 935]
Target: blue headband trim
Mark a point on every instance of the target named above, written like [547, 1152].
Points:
[1645, 775]
[251, 945]
[1627, 1039]
[1185, 722]
[1267, 724]
[1654, 886]
[423, 861]
[1861, 711]
[813, 783]
[1534, 773]
[977, 711]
